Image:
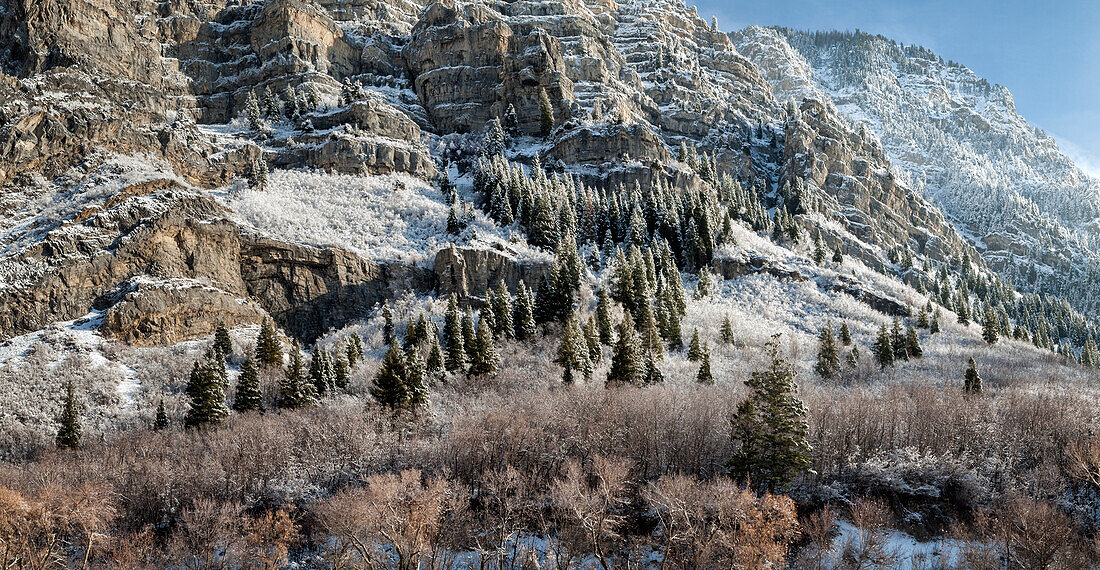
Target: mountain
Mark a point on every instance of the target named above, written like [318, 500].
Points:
[958, 140]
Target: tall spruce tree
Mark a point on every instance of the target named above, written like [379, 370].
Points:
[268, 348]
[206, 392]
[572, 352]
[912, 343]
[897, 341]
[845, 334]
[704, 376]
[972, 381]
[389, 333]
[828, 359]
[770, 427]
[626, 360]
[416, 379]
[603, 317]
[695, 348]
[296, 391]
[523, 316]
[727, 331]
[69, 431]
[884, 348]
[222, 342]
[249, 398]
[390, 382]
[502, 311]
[546, 113]
[483, 360]
[990, 325]
[161, 422]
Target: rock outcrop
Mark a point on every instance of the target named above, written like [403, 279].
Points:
[469, 272]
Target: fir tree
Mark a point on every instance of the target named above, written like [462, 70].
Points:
[838, 257]
[319, 373]
[770, 427]
[845, 334]
[819, 249]
[455, 360]
[161, 422]
[884, 348]
[493, 144]
[626, 362]
[852, 359]
[962, 309]
[69, 431]
[340, 371]
[695, 348]
[727, 331]
[650, 335]
[454, 225]
[990, 325]
[268, 348]
[603, 317]
[354, 350]
[469, 335]
[483, 360]
[270, 103]
[296, 391]
[206, 392]
[435, 361]
[222, 342]
[502, 311]
[572, 352]
[828, 360]
[546, 113]
[248, 397]
[922, 318]
[973, 382]
[389, 334]
[523, 317]
[704, 376]
[935, 326]
[511, 121]
[389, 384]
[252, 112]
[912, 343]
[257, 175]
[1090, 354]
[416, 380]
[592, 340]
[652, 374]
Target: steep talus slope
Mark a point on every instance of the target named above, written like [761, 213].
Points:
[959, 140]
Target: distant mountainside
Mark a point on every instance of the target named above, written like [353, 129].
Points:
[1031, 212]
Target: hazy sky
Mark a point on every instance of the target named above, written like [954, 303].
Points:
[1047, 53]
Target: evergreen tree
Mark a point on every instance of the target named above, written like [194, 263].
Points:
[703, 287]
[650, 335]
[990, 325]
[390, 382]
[922, 318]
[838, 257]
[673, 331]
[270, 103]
[249, 398]
[603, 317]
[494, 139]
[704, 376]
[973, 382]
[296, 391]
[511, 121]
[454, 225]
[592, 340]
[290, 102]
[852, 359]
[222, 342]
[626, 361]
[354, 350]
[1090, 354]
[897, 340]
[770, 427]
[416, 380]
[502, 311]
[319, 375]
[572, 353]
[252, 112]
[69, 431]
[257, 174]
[268, 348]
[484, 358]
[962, 309]
[435, 362]
[727, 331]
[695, 348]
[884, 348]
[546, 113]
[828, 360]
[912, 343]
[161, 422]
[652, 374]
[469, 336]
[523, 317]
[455, 360]
[845, 334]
[389, 334]
[340, 371]
[206, 392]
[935, 326]
[819, 249]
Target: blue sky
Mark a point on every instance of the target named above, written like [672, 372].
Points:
[1047, 53]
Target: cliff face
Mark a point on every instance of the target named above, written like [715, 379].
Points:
[117, 153]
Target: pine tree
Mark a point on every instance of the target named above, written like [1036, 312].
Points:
[935, 326]
[469, 335]
[511, 121]
[626, 362]
[845, 334]
[319, 373]
[770, 427]
[704, 376]
[546, 113]
[435, 362]
[828, 360]
[416, 380]
[973, 382]
[493, 144]
[390, 383]
[592, 340]
[454, 225]
[819, 249]
[727, 331]
[161, 422]
[248, 397]
[572, 352]
[989, 325]
[852, 359]
[268, 348]
[884, 348]
[296, 391]
[222, 342]
[257, 175]
[652, 374]
[206, 392]
[912, 343]
[354, 350]
[270, 103]
[340, 371]
[603, 317]
[290, 102]
[897, 340]
[455, 360]
[502, 311]
[252, 112]
[523, 318]
[922, 318]
[838, 257]
[483, 360]
[695, 348]
[962, 309]
[650, 335]
[69, 431]
[1090, 353]
[389, 334]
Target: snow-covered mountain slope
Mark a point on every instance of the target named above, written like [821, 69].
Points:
[1032, 213]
